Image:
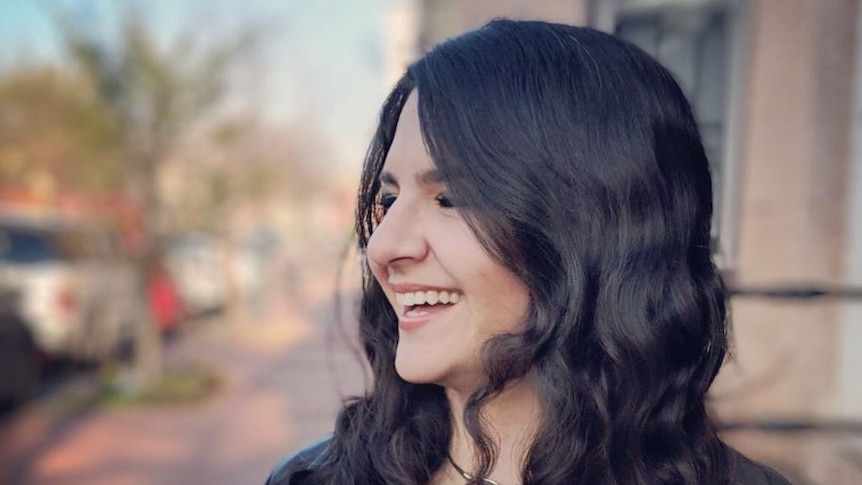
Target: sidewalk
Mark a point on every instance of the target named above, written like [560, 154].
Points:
[283, 385]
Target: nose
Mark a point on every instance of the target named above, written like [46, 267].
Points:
[399, 238]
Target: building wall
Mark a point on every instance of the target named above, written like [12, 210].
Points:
[850, 357]
[446, 18]
[792, 218]
[402, 43]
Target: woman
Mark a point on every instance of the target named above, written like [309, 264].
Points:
[540, 305]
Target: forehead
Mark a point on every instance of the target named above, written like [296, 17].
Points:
[408, 154]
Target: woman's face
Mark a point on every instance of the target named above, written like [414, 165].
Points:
[449, 294]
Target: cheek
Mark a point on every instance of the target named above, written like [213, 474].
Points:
[502, 299]
[507, 299]
[459, 252]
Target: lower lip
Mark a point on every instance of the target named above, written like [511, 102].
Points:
[408, 324]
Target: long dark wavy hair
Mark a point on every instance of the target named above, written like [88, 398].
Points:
[579, 166]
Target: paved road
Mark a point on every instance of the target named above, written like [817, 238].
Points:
[283, 383]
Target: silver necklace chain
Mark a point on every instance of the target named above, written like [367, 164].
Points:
[467, 476]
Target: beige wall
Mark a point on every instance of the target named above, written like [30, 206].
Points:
[792, 206]
[850, 357]
[446, 18]
[571, 12]
[402, 44]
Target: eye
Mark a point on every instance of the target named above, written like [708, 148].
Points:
[445, 201]
[385, 201]
[382, 205]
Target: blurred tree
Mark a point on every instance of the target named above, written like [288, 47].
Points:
[290, 167]
[154, 96]
[52, 128]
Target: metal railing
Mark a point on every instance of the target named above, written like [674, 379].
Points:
[803, 292]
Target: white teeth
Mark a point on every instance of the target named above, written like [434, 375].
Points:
[430, 297]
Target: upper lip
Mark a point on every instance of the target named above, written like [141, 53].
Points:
[410, 287]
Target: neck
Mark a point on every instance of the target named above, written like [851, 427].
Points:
[510, 420]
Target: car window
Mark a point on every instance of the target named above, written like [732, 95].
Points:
[36, 245]
[20, 245]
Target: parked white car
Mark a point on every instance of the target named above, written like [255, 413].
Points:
[196, 265]
[74, 289]
[199, 265]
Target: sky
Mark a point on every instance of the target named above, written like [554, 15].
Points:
[322, 61]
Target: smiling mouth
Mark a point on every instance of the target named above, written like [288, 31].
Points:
[421, 303]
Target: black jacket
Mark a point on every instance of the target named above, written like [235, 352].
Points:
[291, 470]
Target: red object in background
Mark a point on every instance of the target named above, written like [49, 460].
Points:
[67, 301]
[164, 301]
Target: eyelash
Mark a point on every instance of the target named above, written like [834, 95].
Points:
[385, 202]
[444, 201]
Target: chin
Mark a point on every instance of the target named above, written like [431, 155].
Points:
[418, 367]
[413, 368]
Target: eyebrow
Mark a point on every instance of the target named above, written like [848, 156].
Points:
[426, 177]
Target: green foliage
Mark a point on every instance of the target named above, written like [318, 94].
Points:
[51, 126]
[186, 383]
[154, 97]
[155, 94]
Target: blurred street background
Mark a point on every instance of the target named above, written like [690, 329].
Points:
[177, 179]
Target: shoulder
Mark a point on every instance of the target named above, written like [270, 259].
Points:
[293, 467]
[750, 472]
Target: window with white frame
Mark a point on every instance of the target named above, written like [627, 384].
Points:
[695, 40]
